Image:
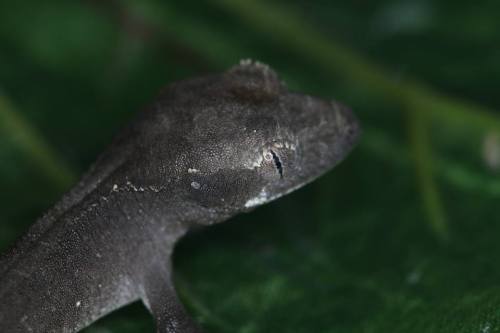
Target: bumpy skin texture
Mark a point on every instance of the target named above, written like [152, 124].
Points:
[205, 150]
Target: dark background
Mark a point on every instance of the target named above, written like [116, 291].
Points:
[401, 237]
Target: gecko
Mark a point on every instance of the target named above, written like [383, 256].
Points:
[205, 150]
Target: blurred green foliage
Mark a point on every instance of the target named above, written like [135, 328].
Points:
[402, 237]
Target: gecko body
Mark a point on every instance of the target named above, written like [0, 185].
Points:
[207, 149]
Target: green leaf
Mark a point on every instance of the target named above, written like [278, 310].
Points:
[401, 237]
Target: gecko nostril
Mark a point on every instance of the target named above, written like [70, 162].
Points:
[277, 162]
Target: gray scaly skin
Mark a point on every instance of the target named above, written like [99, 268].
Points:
[207, 149]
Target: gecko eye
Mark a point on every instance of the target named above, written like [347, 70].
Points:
[277, 162]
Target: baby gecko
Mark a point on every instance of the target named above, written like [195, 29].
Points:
[207, 149]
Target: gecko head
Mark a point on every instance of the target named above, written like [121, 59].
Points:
[244, 140]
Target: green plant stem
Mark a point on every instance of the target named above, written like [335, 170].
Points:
[32, 144]
[456, 175]
[286, 28]
[422, 156]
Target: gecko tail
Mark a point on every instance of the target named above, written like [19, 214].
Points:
[169, 313]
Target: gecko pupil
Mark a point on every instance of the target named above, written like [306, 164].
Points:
[277, 162]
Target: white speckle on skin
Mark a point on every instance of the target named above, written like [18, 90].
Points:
[78, 303]
[193, 170]
[195, 185]
[278, 145]
[258, 200]
[256, 163]
[287, 145]
[115, 188]
[154, 189]
[132, 186]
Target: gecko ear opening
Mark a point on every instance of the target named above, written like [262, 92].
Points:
[254, 80]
